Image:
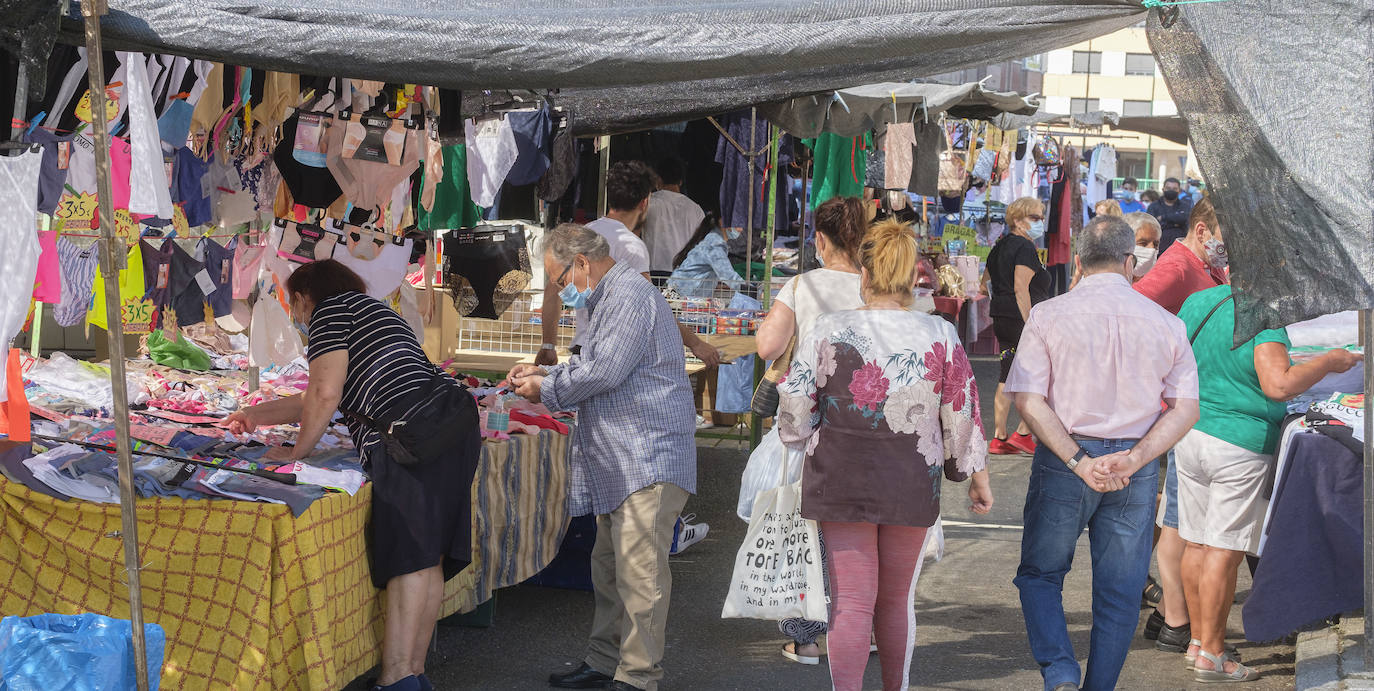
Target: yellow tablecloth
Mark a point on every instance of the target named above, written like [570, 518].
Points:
[251, 597]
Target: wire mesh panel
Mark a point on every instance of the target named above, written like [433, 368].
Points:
[518, 330]
[701, 304]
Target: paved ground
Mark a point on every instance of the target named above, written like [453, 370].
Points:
[970, 633]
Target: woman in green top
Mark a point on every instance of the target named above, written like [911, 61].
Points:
[1223, 463]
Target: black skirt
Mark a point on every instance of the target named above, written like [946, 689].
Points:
[422, 514]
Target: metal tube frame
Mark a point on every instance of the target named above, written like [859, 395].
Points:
[1367, 340]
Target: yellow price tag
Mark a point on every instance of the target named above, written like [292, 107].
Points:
[77, 210]
[136, 314]
[124, 224]
[179, 223]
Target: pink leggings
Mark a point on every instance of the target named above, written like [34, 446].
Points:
[872, 578]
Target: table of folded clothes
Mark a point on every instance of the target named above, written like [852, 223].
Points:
[258, 583]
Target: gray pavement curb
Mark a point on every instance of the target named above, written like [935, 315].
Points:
[1332, 658]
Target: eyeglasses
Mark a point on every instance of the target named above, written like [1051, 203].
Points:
[563, 275]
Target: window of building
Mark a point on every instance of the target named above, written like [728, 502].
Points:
[1137, 109]
[1087, 62]
[1140, 64]
[1083, 105]
[1132, 164]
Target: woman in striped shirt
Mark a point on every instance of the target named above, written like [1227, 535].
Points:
[365, 359]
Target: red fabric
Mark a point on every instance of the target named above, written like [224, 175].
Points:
[1059, 242]
[14, 413]
[1178, 274]
[543, 421]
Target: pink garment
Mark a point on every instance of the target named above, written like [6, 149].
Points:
[121, 161]
[247, 263]
[872, 581]
[47, 286]
[1104, 356]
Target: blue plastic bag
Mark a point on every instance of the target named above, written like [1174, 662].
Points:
[74, 652]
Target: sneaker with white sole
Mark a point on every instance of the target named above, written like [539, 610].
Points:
[686, 534]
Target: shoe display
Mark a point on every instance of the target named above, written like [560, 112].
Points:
[584, 677]
[1023, 443]
[686, 534]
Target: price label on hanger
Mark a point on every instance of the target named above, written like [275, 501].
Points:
[179, 222]
[136, 314]
[124, 225]
[77, 211]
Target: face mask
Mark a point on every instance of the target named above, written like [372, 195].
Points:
[574, 298]
[1171, 195]
[1036, 230]
[1144, 259]
[1216, 253]
[733, 233]
[301, 327]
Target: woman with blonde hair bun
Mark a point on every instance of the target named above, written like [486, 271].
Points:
[884, 402]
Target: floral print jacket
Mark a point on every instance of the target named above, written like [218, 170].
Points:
[886, 403]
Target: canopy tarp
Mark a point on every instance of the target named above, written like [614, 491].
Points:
[852, 112]
[620, 65]
[1278, 106]
[1171, 127]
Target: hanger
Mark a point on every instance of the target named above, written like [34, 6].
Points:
[22, 147]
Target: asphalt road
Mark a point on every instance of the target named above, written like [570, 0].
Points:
[970, 633]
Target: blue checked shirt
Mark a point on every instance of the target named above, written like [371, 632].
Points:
[635, 415]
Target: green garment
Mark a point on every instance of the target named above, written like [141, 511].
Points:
[841, 165]
[1234, 407]
[182, 354]
[453, 205]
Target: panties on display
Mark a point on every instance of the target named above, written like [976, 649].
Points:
[488, 267]
[305, 243]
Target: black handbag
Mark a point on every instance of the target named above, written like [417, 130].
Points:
[430, 424]
[764, 403]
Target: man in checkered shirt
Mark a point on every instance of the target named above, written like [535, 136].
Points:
[633, 459]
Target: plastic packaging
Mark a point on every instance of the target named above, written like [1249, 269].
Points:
[74, 652]
[761, 473]
[272, 339]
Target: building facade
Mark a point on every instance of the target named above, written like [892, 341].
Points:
[1117, 73]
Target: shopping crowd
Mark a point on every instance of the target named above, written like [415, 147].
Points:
[1128, 376]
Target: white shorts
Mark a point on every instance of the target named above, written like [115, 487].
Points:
[1220, 492]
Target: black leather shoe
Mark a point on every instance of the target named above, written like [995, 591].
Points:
[623, 686]
[1174, 639]
[583, 677]
[1153, 625]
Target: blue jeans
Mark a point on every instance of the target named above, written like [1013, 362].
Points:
[1120, 525]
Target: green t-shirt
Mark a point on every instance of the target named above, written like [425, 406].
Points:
[1234, 407]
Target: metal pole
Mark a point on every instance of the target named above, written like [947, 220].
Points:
[605, 167]
[749, 215]
[756, 431]
[1367, 340]
[806, 248]
[112, 259]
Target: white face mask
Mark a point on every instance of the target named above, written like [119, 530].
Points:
[1144, 259]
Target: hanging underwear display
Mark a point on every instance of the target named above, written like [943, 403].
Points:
[219, 271]
[78, 278]
[247, 263]
[487, 269]
[375, 256]
[309, 186]
[369, 183]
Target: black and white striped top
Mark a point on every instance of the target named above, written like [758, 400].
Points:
[385, 362]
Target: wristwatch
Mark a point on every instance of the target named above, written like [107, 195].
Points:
[547, 346]
[1073, 462]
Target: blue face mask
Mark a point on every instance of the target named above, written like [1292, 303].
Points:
[572, 297]
[733, 233]
[301, 327]
[1036, 230]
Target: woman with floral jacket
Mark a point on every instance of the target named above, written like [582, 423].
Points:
[885, 403]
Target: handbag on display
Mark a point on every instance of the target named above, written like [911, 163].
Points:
[487, 267]
[303, 243]
[1047, 152]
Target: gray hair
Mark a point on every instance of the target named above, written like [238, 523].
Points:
[1105, 242]
[569, 240]
[1136, 219]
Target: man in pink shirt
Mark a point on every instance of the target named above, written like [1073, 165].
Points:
[1090, 372]
[1196, 262]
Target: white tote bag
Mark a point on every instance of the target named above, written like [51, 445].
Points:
[778, 568]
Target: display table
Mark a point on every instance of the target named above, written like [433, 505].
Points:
[494, 362]
[252, 598]
[970, 313]
[1313, 563]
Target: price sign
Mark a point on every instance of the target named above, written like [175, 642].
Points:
[136, 314]
[124, 224]
[179, 223]
[970, 238]
[77, 210]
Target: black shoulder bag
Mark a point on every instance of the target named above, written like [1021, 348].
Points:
[431, 422]
[1198, 330]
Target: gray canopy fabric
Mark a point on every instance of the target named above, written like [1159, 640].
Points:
[620, 65]
[1278, 106]
[851, 112]
[1171, 127]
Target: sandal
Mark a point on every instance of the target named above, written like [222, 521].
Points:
[1231, 651]
[1220, 675]
[789, 651]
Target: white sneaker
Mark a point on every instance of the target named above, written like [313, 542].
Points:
[686, 534]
